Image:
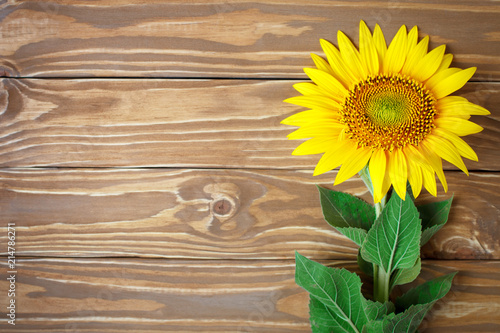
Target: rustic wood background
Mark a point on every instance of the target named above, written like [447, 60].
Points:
[151, 183]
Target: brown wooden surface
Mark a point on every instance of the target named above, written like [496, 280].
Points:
[126, 295]
[224, 214]
[181, 123]
[145, 203]
[224, 39]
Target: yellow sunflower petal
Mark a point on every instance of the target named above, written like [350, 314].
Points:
[414, 55]
[440, 76]
[351, 56]
[314, 146]
[340, 69]
[463, 148]
[452, 83]
[377, 167]
[452, 106]
[429, 181]
[396, 53]
[353, 164]
[451, 99]
[428, 65]
[367, 50]
[310, 116]
[327, 82]
[412, 39]
[380, 45]
[434, 162]
[414, 154]
[474, 109]
[414, 177]
[309, 89]
[321, 103]
[447, 151]
[446, 62]
[460, 127]
[459, 107]
[398, 172]
[334, 157]
[321, 64]
[324, 128]
[417, 164]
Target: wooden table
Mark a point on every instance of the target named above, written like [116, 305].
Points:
[150, 181]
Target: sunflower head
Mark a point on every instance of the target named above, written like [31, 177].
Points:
[386, 108]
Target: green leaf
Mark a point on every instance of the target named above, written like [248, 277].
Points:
[365, 266]
[357, 235]
[434, 215]
[343, 210]
[407, 321]
[350, 215]
[428, 292]
[323, 320]
[415, 303]
[394, 240]
[321, 317]
[338, 290]
[406, 275]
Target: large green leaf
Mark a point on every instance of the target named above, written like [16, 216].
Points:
[324, 320]
[434, 215]
[407, 321]
[344, 308]
[413, 305]
[394, 240]
[348, 214]
[344, 210]
[428, 292]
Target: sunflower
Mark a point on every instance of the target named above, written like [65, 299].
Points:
[387, 109]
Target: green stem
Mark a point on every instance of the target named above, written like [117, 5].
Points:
[381, 279]
[381, 285]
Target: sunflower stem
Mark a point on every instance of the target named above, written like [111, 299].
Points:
[380, 285]
[380, 277]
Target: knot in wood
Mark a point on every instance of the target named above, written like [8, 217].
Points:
[222, 207]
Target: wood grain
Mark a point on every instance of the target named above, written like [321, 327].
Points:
[175, 123]
[144, 203]
[231, 39]
[183, 213]
[125, 295]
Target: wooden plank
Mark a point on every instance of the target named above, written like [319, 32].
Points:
[175, 123]
[213, 39]
[238, 214]
[122, 295]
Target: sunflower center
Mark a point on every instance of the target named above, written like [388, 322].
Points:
[387, 108]
[388, 112]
